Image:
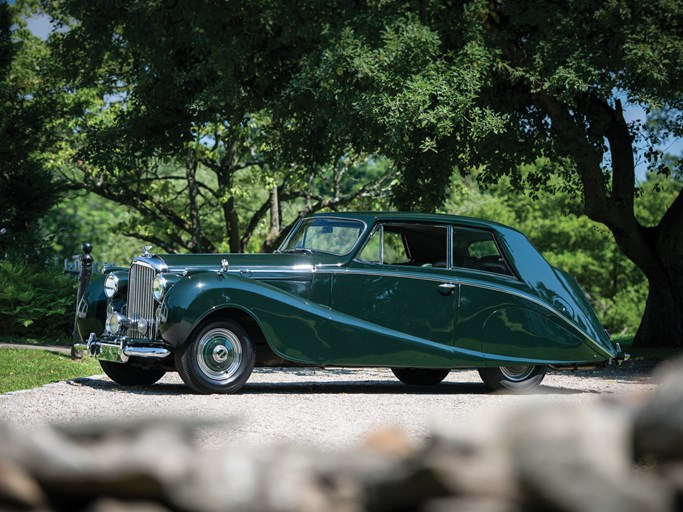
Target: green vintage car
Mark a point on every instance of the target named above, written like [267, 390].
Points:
[420, 294]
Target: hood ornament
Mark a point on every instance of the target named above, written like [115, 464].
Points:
[224, 266]
[146, 248]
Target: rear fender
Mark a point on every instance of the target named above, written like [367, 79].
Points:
[514, 334]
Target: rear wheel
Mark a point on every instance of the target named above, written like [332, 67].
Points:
[125, 374]
[219, 358]
[420, 376]
[515, 377]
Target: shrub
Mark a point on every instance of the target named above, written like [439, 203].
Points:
[622, 313]
[35, 302]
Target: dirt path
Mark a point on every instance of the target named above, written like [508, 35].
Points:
[51, 348]
[330, 409]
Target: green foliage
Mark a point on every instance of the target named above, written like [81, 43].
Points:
[170, 123]
[26, 369]
[35, 302]
[79, 218]
[491, 84]
[27, 190]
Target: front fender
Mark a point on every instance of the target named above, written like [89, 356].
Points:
[294, 328]
[92, 309]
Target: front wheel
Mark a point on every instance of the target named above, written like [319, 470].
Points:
[420, 376]
[219, 358]
[517, 377]
[126, 375]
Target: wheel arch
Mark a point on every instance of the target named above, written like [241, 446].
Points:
[265, 354]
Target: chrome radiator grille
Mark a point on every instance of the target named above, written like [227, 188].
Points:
[141, 301]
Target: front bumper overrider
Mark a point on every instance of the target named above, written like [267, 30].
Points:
[119, 349]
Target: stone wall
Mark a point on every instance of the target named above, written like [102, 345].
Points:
[619, 455]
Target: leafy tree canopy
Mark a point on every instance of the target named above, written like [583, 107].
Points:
[435, 86]
[27, 190]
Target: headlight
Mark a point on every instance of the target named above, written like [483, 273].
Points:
[159, 287]
[115, 283]
[111, 285]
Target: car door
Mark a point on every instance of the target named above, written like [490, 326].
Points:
[396, 303]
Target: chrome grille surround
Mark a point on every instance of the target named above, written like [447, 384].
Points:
[141, 304]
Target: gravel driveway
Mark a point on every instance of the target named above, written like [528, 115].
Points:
[329, 409]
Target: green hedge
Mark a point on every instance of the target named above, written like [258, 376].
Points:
[36, 303]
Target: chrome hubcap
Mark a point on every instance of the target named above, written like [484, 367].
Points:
[219, 354]
[517, 373]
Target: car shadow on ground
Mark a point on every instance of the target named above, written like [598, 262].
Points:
[312, 380]
[330, 387]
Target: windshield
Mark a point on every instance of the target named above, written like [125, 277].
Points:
[333, 236]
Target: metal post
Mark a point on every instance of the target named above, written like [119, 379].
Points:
[83, 281]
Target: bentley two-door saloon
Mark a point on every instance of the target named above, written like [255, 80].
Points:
[420, 294]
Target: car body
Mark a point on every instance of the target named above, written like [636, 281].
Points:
[418, 293]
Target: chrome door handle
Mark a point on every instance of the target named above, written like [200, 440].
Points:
[447, 288]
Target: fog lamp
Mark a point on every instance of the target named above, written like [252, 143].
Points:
[142, 325]
[116, 322]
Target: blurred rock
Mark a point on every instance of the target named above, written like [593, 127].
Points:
[18, 490]
[579, 459]
[658, 426]
[476, 467]
[470, 505]
[110, 505]
[540, 458]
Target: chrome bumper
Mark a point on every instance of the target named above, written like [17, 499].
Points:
[119, 349]
[620, 357]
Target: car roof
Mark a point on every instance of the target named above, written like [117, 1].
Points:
[370, 217]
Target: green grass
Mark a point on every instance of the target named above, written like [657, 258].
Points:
[26, 369]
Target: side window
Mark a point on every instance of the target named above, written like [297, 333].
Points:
[395, 249]
[482, 249]
[408, 244]
[370, 252]
[477, 250]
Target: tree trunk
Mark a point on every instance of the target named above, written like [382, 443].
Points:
[224, 174]
[232, 224]
[192, 194]
[657, 251]
[662, 324]
[274, 232]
